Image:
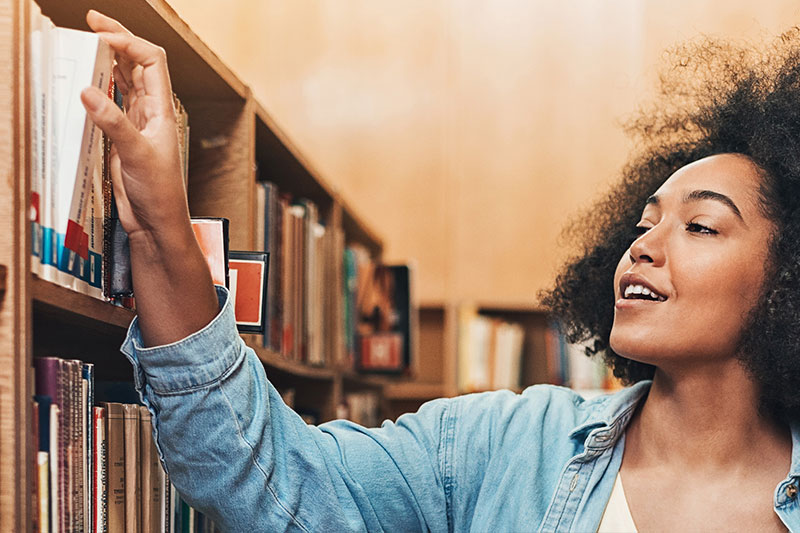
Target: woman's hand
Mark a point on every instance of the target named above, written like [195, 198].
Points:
[145, 159]
[174, 292]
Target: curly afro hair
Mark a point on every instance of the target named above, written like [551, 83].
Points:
[716, 98]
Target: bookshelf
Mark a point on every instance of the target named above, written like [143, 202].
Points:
[234, 141]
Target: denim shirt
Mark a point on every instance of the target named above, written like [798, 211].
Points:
[543, 460]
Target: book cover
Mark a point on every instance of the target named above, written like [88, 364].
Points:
[250, 294]
[387, 318]
[115, 436]
[212, 236]
[81, 59]
[133, 489]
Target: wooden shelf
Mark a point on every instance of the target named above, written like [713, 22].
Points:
[412, 390]
[353, 380]
[510, 307]
[77, 307]
[196, 72]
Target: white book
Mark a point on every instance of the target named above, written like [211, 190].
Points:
[37, 134]
[43, 471]
[508, 356]
[48, 257]
[55, 526]
[80, 59]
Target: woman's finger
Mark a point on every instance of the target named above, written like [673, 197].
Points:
[131, 145]
[103, 23]
[155, 75]
[137, 77]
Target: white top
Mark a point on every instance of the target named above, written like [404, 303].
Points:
[617, 517]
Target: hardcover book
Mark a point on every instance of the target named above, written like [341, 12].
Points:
[115, 436]
[249, 273]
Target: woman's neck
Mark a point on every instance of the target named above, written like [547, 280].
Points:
[705, 418]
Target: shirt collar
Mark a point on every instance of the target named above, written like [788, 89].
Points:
[606, 411]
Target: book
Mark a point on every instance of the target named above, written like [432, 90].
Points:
[212, 236]
[387, 321]
[250, 272]
[56, 519]
[80, 59]
[100, 472]
[51, 380]
[87, 376]
[133, 488]
[43, 490]
[149, 482]
[116, 478]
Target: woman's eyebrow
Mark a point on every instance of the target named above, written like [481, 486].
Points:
[702, 194]
[713, 195]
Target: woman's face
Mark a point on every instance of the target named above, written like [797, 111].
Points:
[685, 286]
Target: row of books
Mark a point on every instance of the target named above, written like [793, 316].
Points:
[568, 364]
[72, 215]
[490, 352]
[306, 278]
[328, 302]
[97, 464]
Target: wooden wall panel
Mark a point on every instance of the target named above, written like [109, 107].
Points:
[467, 132]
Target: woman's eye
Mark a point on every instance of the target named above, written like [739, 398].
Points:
[693, 227]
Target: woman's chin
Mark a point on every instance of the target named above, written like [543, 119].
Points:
[632, 347]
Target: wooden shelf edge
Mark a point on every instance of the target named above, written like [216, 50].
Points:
[200, 47]
[413, 390]
[79, 306]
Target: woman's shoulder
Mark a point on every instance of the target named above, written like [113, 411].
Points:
[550, 409]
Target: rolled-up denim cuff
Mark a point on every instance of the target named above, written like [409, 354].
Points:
[193, 362]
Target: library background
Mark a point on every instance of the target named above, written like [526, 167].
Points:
[407, 168]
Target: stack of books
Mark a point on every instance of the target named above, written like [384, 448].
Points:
[76, 239]
[97, 464]
[490, 352]
[568, 364]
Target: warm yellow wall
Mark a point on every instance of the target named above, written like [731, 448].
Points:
[465, 132]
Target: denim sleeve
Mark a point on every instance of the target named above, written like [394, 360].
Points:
[235, 451]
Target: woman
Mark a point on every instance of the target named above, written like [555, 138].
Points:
[688, 276]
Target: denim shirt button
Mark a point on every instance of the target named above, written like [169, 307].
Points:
[791, 491]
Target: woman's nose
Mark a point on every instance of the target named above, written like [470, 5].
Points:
[648, 248]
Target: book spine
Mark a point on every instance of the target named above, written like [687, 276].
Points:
[133, 494]
[145, 471]
[77, 431]
[100, 472]
[36, 524]
[115, 437]
[43, 496]
[56, 521]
